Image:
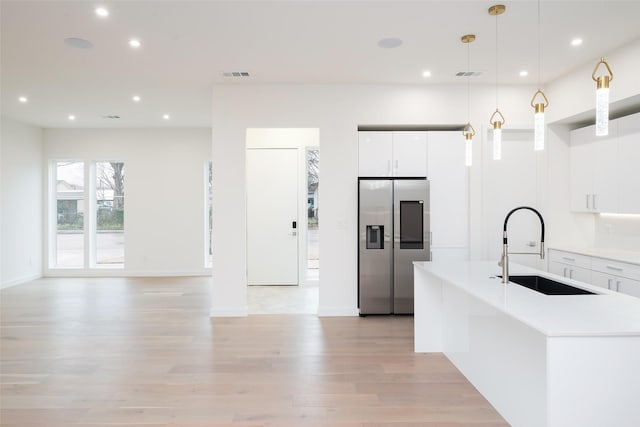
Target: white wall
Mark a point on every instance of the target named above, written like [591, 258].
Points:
[20, 202]
[575, 93]
[516, 180]
[618, 231]
[164, 193]
[336, 110]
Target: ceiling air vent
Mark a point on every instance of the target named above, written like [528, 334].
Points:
[111, 117]
[468, 73]
[235, 74]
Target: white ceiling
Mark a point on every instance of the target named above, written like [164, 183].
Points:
[187, 45]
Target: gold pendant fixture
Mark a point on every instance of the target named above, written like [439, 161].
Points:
[468, 131]
[539, 104]
[497, 119]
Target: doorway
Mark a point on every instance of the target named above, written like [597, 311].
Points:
[270, 297]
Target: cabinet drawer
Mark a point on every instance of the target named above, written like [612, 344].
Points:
[616, 283]
[570, 258]
[570, 271]
[616, 268]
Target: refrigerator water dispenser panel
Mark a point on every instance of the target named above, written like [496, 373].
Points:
[375, 236]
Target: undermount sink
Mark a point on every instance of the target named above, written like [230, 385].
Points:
[547, 286]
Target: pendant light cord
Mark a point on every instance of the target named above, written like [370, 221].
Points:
[468, 83]
[496, 61]
[539, 76]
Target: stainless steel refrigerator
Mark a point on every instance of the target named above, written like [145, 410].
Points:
[393, 230]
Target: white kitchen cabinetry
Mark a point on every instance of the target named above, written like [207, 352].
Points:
[392, 154]
[604, 171]
[594, 170]
[628, 170]
[571, 266]
[375, 152]
[616, 283]
[614, 275]
[449, 191]
[438, 155]
[617, 276]
[570, 272]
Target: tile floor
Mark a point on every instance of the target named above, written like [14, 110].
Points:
[282, 299]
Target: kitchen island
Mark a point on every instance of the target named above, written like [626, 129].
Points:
[540, 360]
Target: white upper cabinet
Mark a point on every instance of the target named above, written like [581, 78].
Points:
[605, 171]
[581, 173]
[594, 176]
[375, 153]
[410, 154]
[386, 154]
[628, 168]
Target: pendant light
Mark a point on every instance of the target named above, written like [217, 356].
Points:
[602, 98]
[497, 119]
[540, 104]
[468, 131]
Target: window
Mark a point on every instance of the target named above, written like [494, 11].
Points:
[89, 230]
[68, 178]
[313, 213]
[109, 230]
[208, 253]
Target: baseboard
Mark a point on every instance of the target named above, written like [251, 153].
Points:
[229, 312]
[338, 311]
[20, 280]
[123, 273]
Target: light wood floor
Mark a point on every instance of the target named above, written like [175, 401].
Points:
[143, 352]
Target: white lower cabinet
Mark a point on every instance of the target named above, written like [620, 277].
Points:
[616, 276]
[570, 265]
[570, 271]
[616, 283]
[606, 273]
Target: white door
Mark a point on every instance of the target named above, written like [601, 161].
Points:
[272, 207]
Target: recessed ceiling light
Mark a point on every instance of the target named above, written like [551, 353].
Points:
[134, 43]
[22, 99]
[135, 98]
[524, 73]
[78, 43]
[389, 43]
[71, 117]
[576, 42]
[166, 116]
[426, 74]
[102, 12]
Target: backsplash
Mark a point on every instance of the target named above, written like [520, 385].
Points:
[618, 232]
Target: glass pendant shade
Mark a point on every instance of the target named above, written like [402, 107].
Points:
[602, 98]
[497, 141]
[468, 150]
[602, 112]
[497, 120]
[539, 102]
[538, 128]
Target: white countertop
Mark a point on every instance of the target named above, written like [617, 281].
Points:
[611, 254]
[606, 314]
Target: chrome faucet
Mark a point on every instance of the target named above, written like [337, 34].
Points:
[504, 261]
